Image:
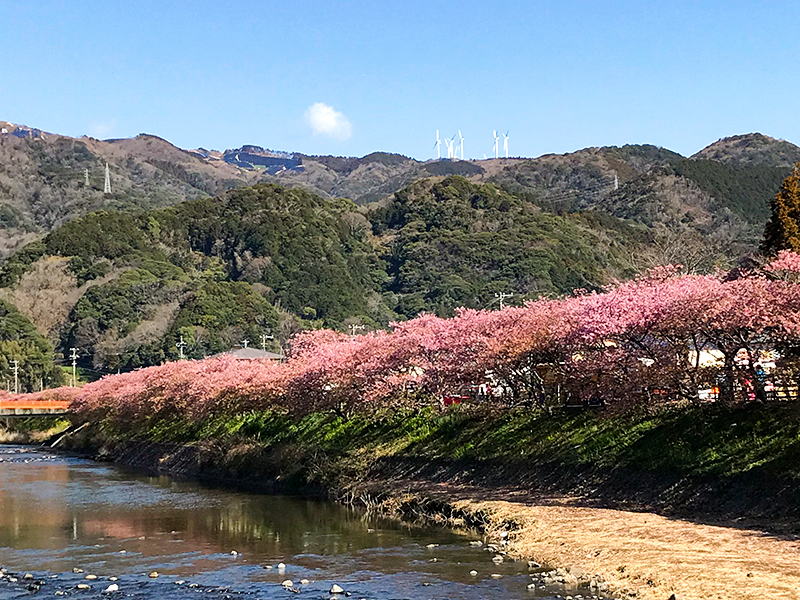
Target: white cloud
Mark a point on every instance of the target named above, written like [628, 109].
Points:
[325, 120]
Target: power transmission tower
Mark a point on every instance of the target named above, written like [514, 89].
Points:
[86, 177]
[74, 357]
[502, 296]
[244, 343]
[107, 186]
[16, 376]
[180, 346]
[616, 181]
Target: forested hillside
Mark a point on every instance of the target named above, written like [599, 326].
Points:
[182, 248]
[125, 287]
[453, 243]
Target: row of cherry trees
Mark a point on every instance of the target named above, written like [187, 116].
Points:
[640, 341]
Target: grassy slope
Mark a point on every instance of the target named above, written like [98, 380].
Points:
[705, 462]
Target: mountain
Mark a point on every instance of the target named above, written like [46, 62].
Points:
[726, 204]
[126, 287]
[214, 247]
[751, 150]
[453, 243]
[42, 179]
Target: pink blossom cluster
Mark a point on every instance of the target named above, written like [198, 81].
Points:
[640, 341]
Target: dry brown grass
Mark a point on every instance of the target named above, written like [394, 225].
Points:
[47, 292]
[650, 555]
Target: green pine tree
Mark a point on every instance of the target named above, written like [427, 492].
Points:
[783, 228]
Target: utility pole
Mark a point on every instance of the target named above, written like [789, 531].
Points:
[180, 346]
[264, 338]
[244, 343]
[502, 296]
[74, 357]
[354, 328]
[16, 376]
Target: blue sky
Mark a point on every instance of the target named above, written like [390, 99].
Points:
[385, 75]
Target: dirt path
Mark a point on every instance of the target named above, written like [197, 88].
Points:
[648, 554]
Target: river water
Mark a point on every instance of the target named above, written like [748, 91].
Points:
[63, 518]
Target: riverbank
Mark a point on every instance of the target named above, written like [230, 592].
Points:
[696, 502]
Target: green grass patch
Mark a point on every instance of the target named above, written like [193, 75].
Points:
[712, 440]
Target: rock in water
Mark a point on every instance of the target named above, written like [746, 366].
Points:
[335, 589]
[287, 583]
[153, 575]
[112, 588]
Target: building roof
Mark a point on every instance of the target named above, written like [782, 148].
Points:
[252, 354]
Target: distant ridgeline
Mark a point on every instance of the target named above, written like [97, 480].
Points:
[251, 157]
[20, 131]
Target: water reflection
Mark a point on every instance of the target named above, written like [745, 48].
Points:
[58, 514]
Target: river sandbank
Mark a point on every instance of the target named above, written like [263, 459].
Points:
[636, 554]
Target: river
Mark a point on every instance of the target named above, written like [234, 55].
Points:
[64, 518]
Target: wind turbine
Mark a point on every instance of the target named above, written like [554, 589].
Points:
[450, 152]
[437, 145]
[461, 140]
[496, 138]
[505, 143]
